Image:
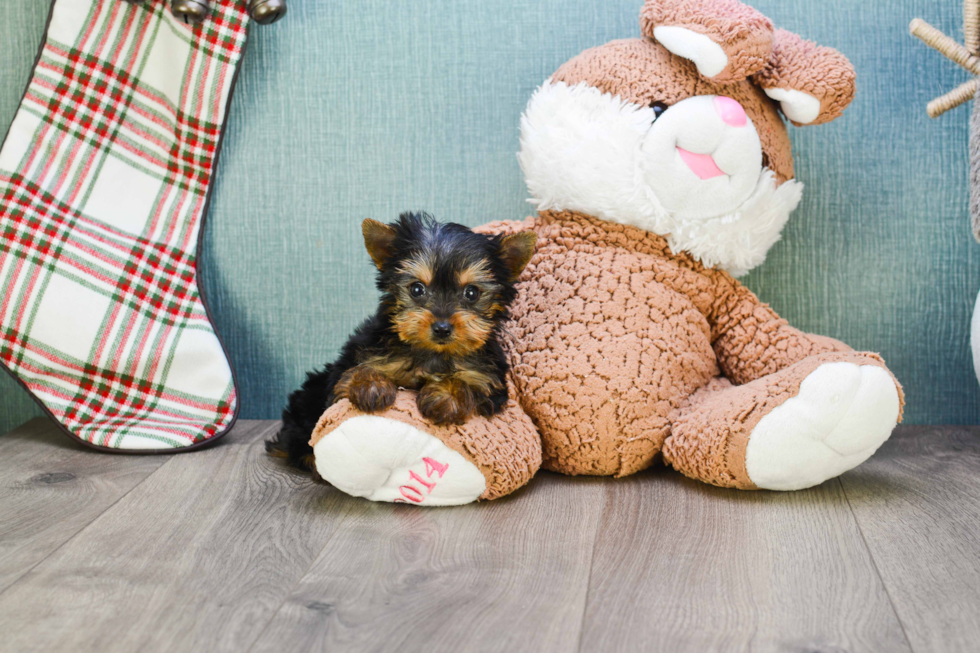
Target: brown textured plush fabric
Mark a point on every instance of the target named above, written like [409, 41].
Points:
[507, 451]
[710, 433]
[612, 333]
[617, 344]
[774, 59]
[644, 72]
[822, 72]
[742, 32]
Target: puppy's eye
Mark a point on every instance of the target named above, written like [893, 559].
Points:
[658, 109]
[471, 293]
[417, 289]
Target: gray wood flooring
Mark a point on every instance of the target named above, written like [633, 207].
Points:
[226, 550]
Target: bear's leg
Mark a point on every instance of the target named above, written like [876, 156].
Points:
[789, 430]
[398, 456]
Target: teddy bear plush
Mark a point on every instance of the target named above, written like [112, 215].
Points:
[661, 169]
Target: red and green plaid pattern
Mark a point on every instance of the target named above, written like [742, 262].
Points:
[104, 178]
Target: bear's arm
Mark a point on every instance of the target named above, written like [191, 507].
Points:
[505, 227]
[750, 339]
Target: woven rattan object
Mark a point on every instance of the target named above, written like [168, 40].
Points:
[965, 55]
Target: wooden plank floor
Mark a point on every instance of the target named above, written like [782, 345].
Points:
[226, 550]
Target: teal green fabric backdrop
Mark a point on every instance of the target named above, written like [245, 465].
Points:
[365, 108]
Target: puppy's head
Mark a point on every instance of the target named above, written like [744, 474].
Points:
[445, 288]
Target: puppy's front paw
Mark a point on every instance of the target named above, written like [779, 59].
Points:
[373, 396]
[368, 390]
[447, 402]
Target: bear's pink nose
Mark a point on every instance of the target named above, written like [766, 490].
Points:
[730, 111]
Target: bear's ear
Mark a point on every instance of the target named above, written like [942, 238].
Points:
[727, 40]
[812, 83]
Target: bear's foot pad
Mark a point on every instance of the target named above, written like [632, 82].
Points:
[840, 417]
[383, 459]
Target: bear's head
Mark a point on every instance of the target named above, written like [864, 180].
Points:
[680, 132]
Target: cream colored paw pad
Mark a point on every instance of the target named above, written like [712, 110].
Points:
[383, 459]
[840, 417]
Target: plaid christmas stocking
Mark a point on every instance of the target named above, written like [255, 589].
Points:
[104, 178]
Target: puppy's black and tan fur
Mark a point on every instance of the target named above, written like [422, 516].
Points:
[445, 292]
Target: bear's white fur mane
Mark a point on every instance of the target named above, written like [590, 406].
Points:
[581, 151]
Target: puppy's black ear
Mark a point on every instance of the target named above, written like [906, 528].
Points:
[516, 250]
[379, 239]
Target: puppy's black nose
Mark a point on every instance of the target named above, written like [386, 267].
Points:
[442, 329]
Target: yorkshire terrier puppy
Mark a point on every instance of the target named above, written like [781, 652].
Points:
[444, 296]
